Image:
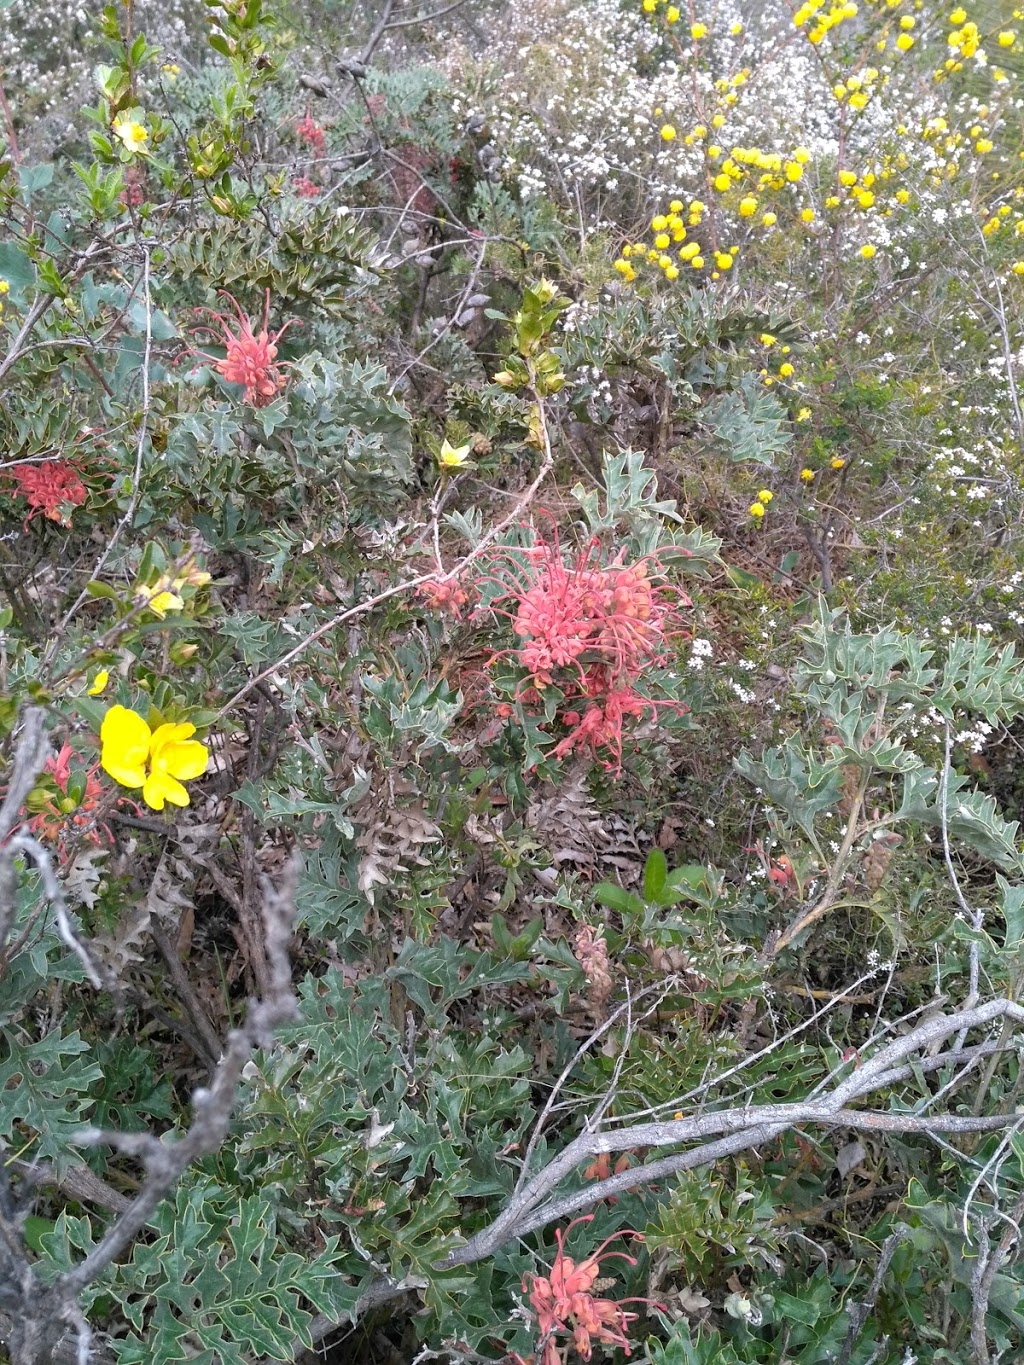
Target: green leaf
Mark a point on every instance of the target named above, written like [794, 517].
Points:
[655, 874]
[751, 423]
[1012, 906]
[44, 1087]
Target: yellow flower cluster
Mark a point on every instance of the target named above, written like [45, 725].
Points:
[5, 288]
[669, 229]
[672, 14]
[823, 21]
[858, 88]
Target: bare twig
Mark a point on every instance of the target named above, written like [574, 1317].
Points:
[42, 1313]
[728, 1131]
[859, 1312]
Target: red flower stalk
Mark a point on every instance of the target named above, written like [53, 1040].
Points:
[48, 487]
[310, 132]
[251, 358]
[563, 1301]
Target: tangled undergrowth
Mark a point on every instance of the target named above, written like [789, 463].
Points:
[509, 699]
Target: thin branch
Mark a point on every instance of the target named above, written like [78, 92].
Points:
[728, 1131]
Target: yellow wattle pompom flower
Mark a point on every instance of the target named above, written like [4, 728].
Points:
[802, 416]
[908, 21]
[659, 223]
[672, 272]
[672, 15]
[676, 206]
[1007, 38]
[807, 215]
[769, 219]
[959, 16]
[807, 475]
[723, 260]
[721, 182]
[859, 100]
[904, 42]
[158, 761]
[668, 133]
[698, 31]
[756, 510]
[786, 370]
[697, 262]
[867, 251]
[838, 462]
[1018, 267]
[662, 240]
[766, 339]
[982, 146]
[765, 496]
[748, 206]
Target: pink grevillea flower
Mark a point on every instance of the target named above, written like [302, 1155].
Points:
[251, 358]
[49, 487]
[584, 613]
[310, 132]
[305, 188]
[563, 1301]
[590, 629]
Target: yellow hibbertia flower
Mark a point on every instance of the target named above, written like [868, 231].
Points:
[158, 761]
[131, 132]
[451, 456]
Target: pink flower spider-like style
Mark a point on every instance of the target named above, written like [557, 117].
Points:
[590, 629]
[49, 487]
[251, 358]
[581, 614]
[563, 1301]
[70, 810]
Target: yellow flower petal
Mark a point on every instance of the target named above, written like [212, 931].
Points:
[184, 761]
[125, 739]
[452, 456]
[160, 788]
[99, 682]
[163, 602]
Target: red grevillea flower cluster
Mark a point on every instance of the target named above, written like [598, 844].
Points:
[563, 1301]
[592, 630]
[305, 188]
[310, 132]
[49, 487]
[251, 358]
[57, 815]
